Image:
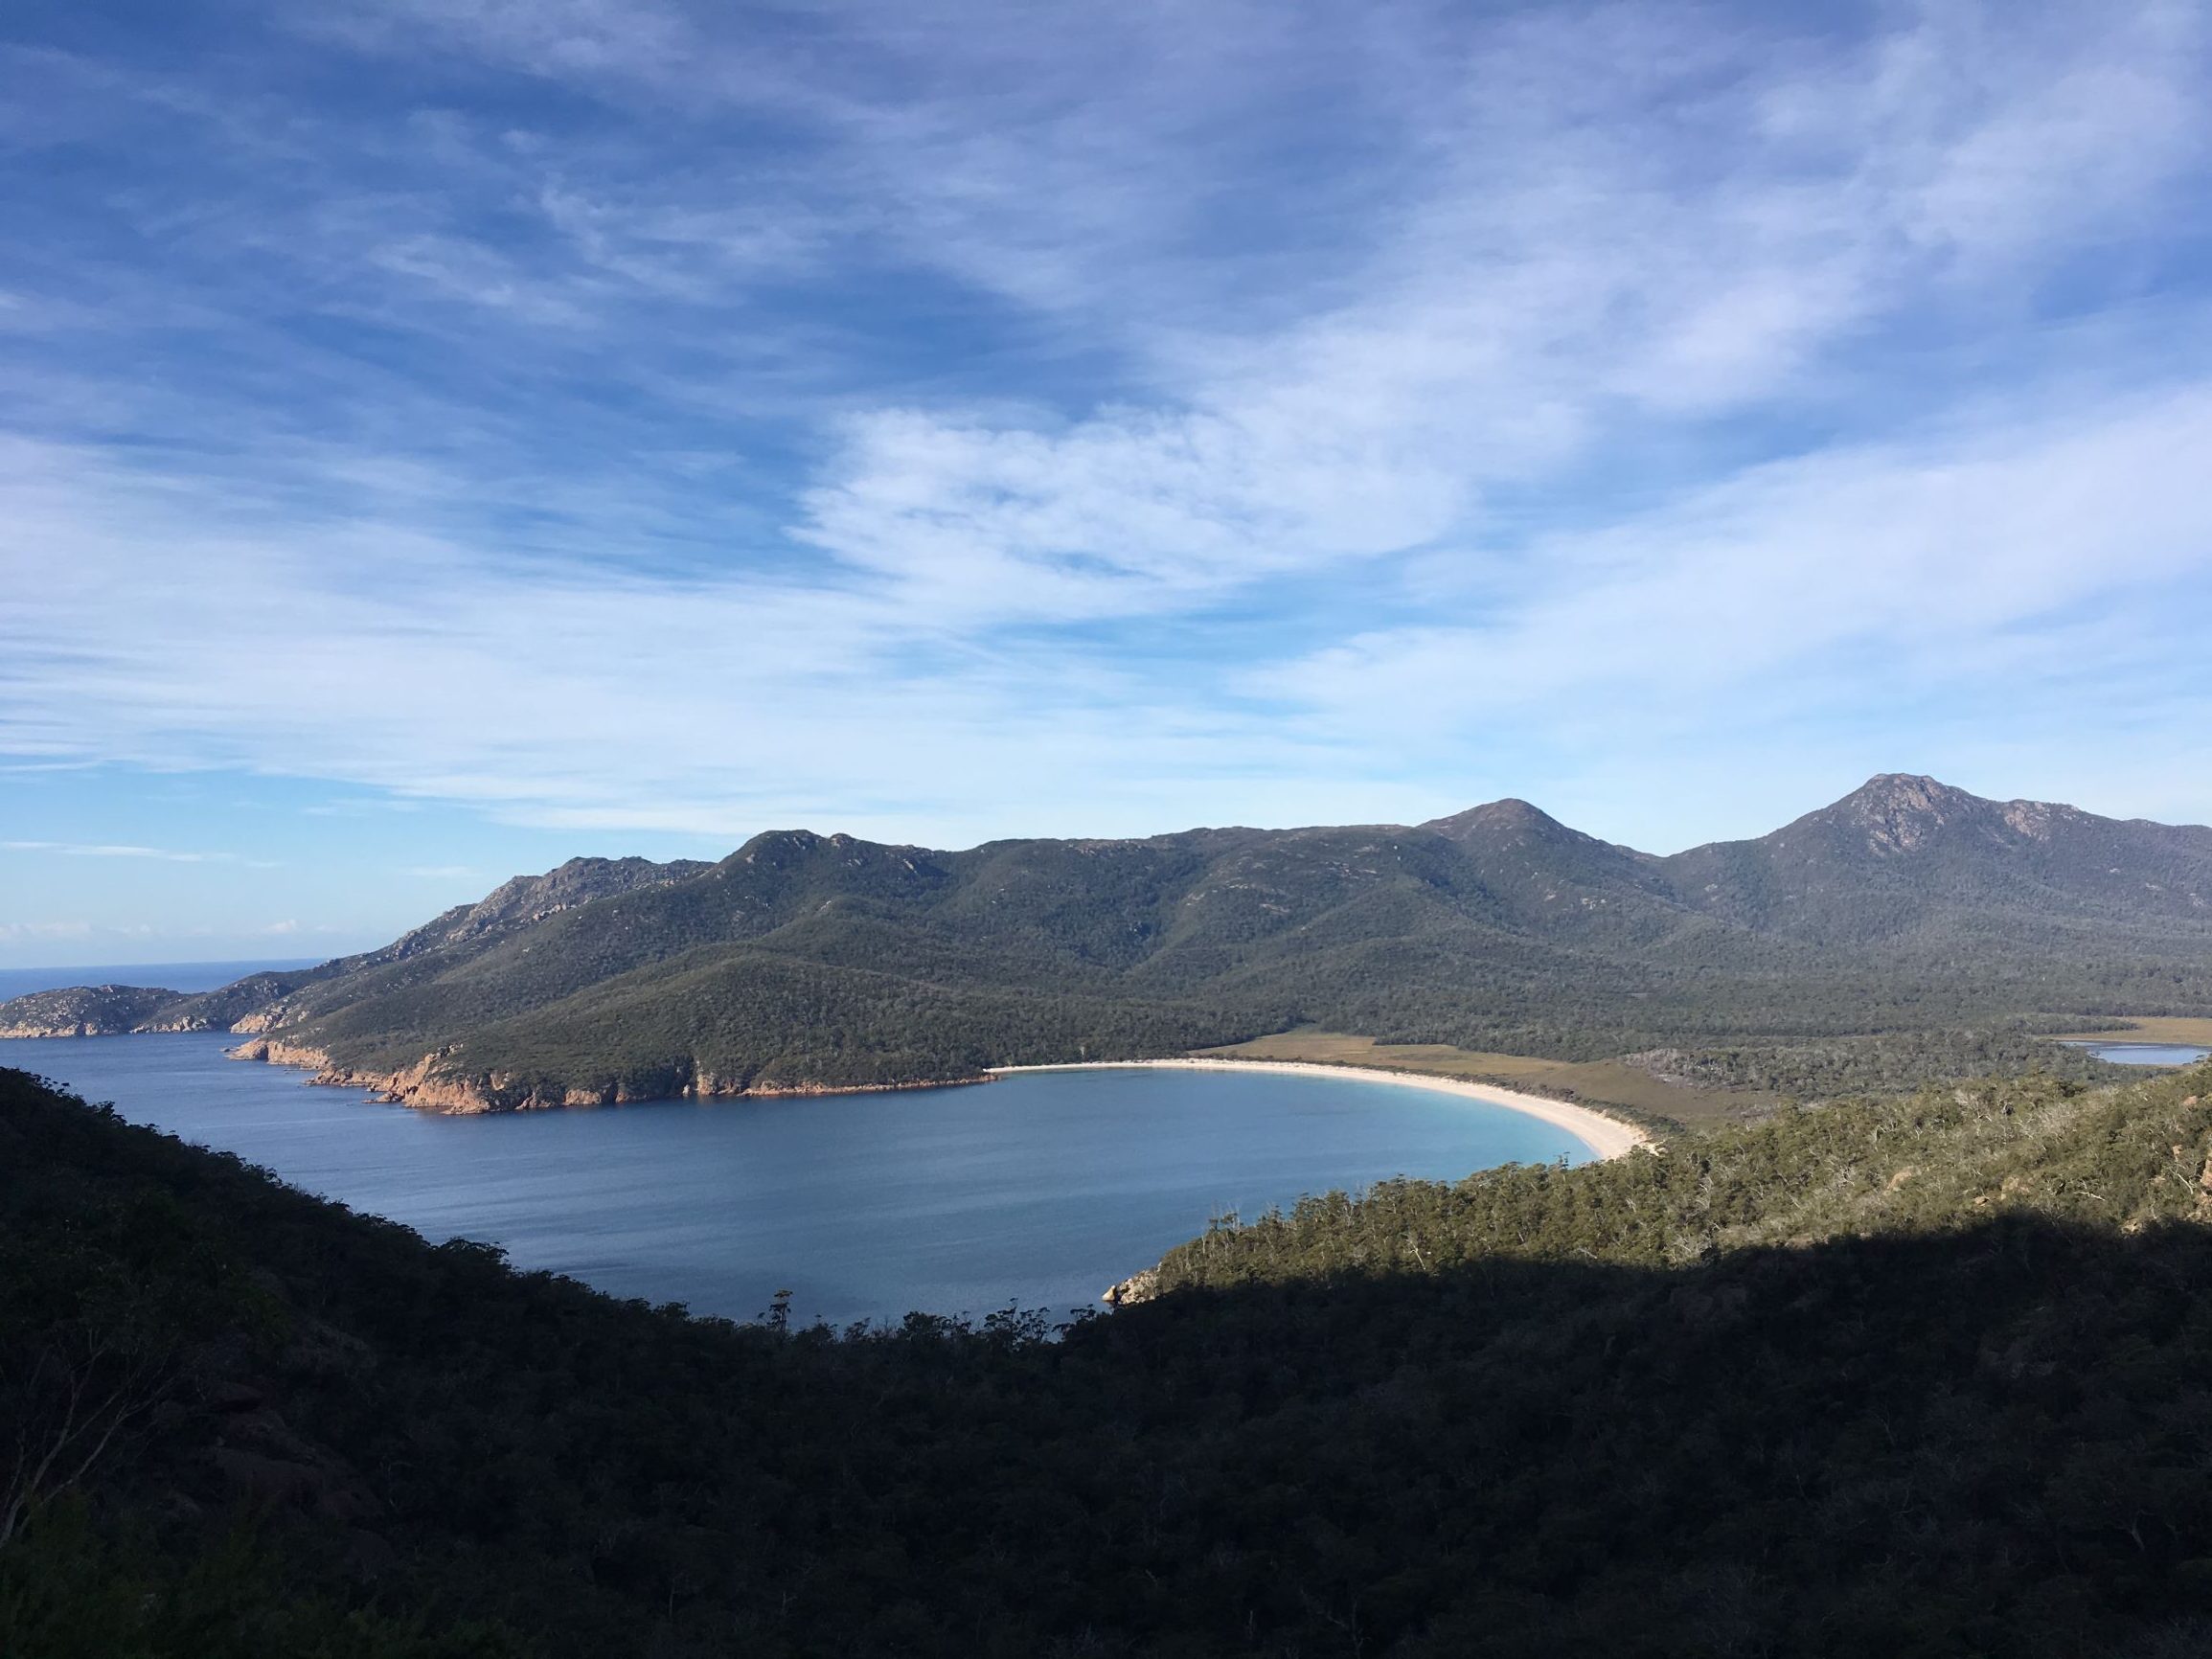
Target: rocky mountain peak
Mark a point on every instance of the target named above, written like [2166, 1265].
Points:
[524, 900]
[772, 846]
[1898, 811]
[1511, 816]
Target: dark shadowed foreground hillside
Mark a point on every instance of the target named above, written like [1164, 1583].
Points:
[1870, 942]
[1926, 1377]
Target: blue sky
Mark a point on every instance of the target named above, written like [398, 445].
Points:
[438, 438]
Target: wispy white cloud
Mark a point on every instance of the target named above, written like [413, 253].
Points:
[44, 931]
[102, 850]
[1636, 227]
[1968, 557]
[1206, 415]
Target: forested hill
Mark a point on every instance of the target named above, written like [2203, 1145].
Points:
[811, 961]
[1922, 1377]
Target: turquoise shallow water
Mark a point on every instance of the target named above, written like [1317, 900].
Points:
[1038, 1189]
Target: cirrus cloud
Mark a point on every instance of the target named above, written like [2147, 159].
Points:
[669, 419]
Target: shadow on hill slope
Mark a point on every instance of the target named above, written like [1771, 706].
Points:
[333, 1438]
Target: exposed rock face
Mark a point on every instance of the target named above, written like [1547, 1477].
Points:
[281, 1053]
[1898, 813]
[1135, 1288]
[531, 899]
[414, 1085]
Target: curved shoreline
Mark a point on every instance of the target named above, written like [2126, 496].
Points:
[1605, 1137]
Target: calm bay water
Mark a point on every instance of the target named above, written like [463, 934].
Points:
[1039, 1189]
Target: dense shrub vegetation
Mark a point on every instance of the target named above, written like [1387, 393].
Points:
[1921, 1376]
[1886, 1062]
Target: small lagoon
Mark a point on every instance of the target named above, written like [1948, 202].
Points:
[1039, 1189]
[2126, 1054]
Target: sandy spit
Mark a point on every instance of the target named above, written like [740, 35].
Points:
[1605, 1137]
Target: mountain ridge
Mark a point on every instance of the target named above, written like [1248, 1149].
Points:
[803, 961]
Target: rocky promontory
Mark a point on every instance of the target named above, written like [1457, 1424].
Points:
[85, 1011]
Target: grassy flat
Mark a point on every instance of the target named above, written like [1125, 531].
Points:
[2151, 1028]
[1600, 1082]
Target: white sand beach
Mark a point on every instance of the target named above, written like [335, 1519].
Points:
[1605, 1137]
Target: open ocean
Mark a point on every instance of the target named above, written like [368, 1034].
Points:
[170, 975]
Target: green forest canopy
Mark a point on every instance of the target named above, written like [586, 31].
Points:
[1923, 1376]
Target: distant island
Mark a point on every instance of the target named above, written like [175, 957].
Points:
[1910, 931]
